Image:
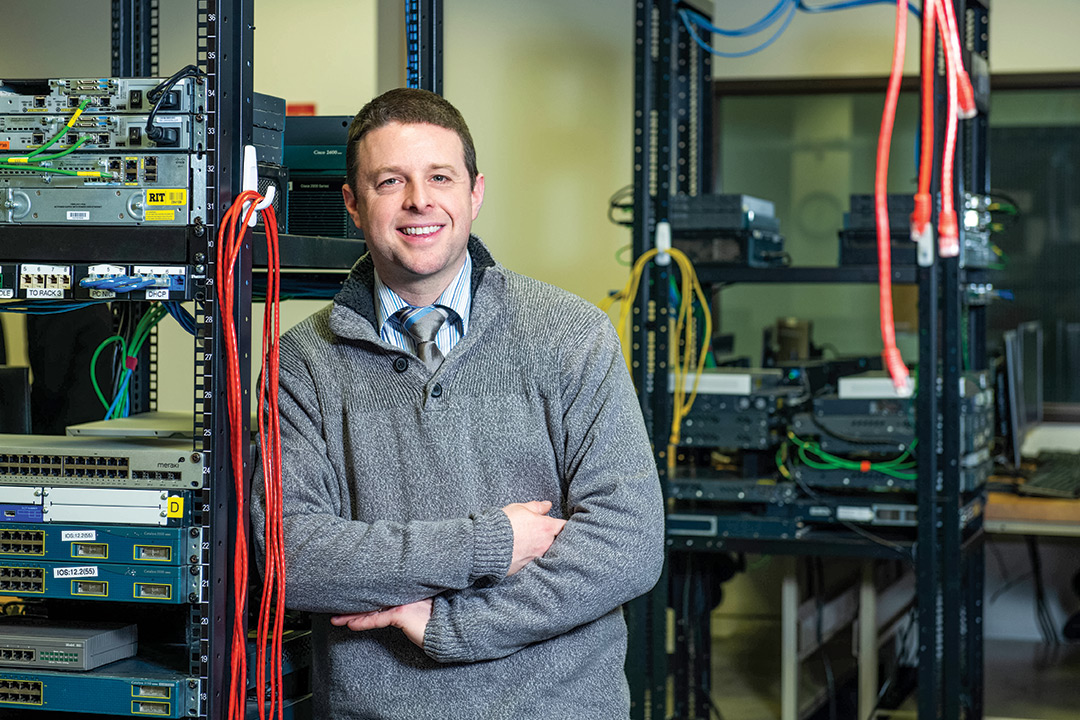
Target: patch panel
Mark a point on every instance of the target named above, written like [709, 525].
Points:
[107, 95]
[61, 460]
[91, 580]
[107, 543]
[134, 687]
[100, 133]
[143, 282]
[44, 281]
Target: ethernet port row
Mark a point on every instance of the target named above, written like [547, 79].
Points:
[36, 536]
[17, 655]
[26, 692]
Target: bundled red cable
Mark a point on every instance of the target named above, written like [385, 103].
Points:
[961, 103]
[891, 354]
[230, 241]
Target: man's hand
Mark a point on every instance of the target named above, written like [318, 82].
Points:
[412, 619]
[533, 531]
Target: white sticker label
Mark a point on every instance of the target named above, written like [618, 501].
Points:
[7, 293]
[159, 294]
[45, 269]
[44, 293]
[158, 270]
[73, 535]
[105, 270]
[858, 514]
[78, 215]
[75, 572]
[102, 294]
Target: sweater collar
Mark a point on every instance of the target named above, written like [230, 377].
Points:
[357, 293]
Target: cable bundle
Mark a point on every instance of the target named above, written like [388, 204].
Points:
[691, 17]
[683, 336]
[811, 454]
[272, 607]
[939, 17]
[121, 402]
[30, 161]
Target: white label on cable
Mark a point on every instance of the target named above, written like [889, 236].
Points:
[160, 294]
[857, 514]
[78, 215]
[55, 293]
[6, 293]
[102, 294]
[73, 535]
[75, 572]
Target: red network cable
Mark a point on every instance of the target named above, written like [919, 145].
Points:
[230, 241]
[961, 103]
[891, 354]
[921, 217]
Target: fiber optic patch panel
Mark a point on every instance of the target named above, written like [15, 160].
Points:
[106, 189]
[90, 580]
[128, 545]
[62, 460]
[129, 688]
[23, 133]
[107, 95]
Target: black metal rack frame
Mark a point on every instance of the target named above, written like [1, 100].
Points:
[671, 123]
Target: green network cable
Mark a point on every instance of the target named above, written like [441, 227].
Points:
[24, 163]
[67, 126]
[827, 461]
[142, 331]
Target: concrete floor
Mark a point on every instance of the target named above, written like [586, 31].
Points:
[1024, 681]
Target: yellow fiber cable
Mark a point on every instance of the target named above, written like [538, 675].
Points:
[682, 338]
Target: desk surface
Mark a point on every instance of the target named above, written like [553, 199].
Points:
[1010, 513]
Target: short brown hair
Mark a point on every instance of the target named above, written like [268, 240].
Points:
[408, 106]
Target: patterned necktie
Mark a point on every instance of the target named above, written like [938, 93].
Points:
[423, 324]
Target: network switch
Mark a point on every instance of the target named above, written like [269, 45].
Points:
[31, 643]
[62, 460]
[129, 688]
[90, 580]
[103, 543]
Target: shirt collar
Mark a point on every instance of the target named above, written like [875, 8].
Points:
[457, 298]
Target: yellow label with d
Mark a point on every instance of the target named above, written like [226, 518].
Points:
[176, 507]
[166, 197]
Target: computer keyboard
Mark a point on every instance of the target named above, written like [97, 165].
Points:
[1057, 474]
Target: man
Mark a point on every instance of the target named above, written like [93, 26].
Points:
[464, 515]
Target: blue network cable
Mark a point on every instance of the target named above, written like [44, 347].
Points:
[692, 17]
[181, 316]
[45, 307]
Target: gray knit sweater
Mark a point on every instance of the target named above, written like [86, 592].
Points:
[393, 482]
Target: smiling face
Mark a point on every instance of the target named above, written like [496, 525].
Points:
[414, 202]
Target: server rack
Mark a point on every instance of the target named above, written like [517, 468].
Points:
[948, 558]
[224, 40]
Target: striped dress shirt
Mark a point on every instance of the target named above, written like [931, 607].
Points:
[456, 299]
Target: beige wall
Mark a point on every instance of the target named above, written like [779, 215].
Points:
[1025, 36]
[546, 86]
